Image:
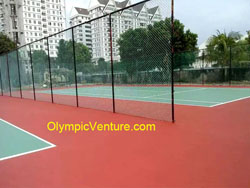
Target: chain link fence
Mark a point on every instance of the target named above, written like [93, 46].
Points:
[5, 84]
[123, 63]
[142, 59]
[206, 67]
[14, 74]
[93, 69]
[26, 75]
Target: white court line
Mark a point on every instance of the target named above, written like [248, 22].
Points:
[32, 151]
[110, 95]
[110, 89]
[134, 89]
[133, 97]
[175, 92]
[25, 153]
[230, 101]
[192, 101]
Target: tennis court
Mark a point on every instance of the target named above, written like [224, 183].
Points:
[15, 141]
[193, 96]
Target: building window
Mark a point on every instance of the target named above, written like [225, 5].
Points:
[14, 24]
[13, 9]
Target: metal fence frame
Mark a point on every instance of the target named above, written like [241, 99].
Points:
[202, 57]
[74, 58]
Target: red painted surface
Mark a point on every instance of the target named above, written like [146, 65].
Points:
[206, 147]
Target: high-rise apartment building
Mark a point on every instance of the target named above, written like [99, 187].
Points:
[82, 33]
[26, 21]
[139, 16]
[10, 13]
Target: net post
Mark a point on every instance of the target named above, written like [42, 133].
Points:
[74, 59]
[19, 73]
[50, 76]
[32, 72]
[111, 58]
[172, 60]
[1, 81]
[230, 66]
[8, 71]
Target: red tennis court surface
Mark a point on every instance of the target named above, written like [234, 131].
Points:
[206, 147]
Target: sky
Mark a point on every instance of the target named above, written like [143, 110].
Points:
[203, 17]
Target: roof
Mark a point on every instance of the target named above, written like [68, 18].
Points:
[152, 10]
[139, 7]
[103, 2]
[122, 4]
[82, 11]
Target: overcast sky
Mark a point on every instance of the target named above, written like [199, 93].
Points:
[203, 17]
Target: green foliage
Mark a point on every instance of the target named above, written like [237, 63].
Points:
[132, 43]
[83, 58]
[218, 48]
[184, 40]
[40, 60]
[185, 59]
[248, 38]
[64, 69]
[241, 54]
[148, 48]
[6, 44]
[65, 54]
[102, 65]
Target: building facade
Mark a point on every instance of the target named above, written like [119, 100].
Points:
[82, 34]
[139, 16]
[26, 21]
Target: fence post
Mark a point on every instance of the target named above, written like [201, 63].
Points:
[32, 72]
[1, 80]
[203, 67]
[19, 74]
[50, 76]
[230, 67]
[172, 60]
[8, 71]
[74, 59]
[179, 59]
[112, 66]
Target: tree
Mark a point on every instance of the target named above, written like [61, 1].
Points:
[102, 65]
[40, 65]
[248, 38]
[132, 43]
[218, 47]
[40, 60]
[132, 47]
[183, 40]
[64, 69]
[83, 58]
[64, 54]
[185, 46]
[149, 48]
[6, 44]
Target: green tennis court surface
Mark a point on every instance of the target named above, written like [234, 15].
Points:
[16, 142]
[194, 96]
